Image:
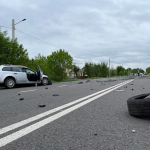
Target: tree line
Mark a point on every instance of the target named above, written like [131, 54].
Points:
[55, 65]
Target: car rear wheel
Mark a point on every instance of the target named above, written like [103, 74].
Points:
[9, 83]
[45, 81]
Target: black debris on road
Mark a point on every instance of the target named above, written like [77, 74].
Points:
[80, 82]
[42, 105]
[55, 95]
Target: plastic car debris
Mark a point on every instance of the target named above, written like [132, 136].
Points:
[147, 97]
[80, 82]
[119, 90]
[41, 105]
[55, 95]
[46, 88]
[133, 131]
[21, 98]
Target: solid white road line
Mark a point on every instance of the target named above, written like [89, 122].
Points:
[14, 136]
[26, 121]
[27, 91]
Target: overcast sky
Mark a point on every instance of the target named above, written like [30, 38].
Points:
[90, 30]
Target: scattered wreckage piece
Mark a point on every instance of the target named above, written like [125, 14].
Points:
[55, 95]
[87, 81]
[139, 105]
[42, 105]
[80, 82]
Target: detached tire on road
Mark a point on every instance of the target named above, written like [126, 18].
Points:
[139, 106]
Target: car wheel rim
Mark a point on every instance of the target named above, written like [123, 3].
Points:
[45, 81]
[10, 83]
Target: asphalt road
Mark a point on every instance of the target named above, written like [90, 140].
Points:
[87, 116]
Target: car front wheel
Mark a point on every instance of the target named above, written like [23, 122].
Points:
[9, 83]
[45, 81]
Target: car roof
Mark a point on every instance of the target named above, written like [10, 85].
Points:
[9, 65]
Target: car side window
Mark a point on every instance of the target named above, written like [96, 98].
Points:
[29, 71]
[6, 69]
[17, 69]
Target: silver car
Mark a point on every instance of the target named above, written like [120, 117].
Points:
[10, 75]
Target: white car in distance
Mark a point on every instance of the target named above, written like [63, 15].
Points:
[10, 75]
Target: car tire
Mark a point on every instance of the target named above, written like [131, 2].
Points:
[9, 83]
[139, 106]
[49, 82]
[45, 81]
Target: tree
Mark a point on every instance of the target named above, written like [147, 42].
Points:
[135, 70]
[129, 71]
[89, 69]
[11, 52]
[104, 70]
[57, 64]
[148, 70]
[75, 69]
[120, 70]
[113, 72]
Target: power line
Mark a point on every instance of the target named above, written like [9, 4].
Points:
[6, 27]
[36, 38]
[31, 36]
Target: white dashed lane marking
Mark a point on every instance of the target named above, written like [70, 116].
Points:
[27, 91]
[63, 85]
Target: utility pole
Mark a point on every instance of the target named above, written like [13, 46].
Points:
[109, 67]
[13, 29]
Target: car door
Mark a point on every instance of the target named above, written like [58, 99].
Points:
[19, 75]
[39, 73]
[31, 75]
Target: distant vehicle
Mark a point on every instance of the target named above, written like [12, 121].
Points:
[10, 75]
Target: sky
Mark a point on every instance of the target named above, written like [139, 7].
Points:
[89, 30]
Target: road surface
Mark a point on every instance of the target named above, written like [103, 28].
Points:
[86, 116]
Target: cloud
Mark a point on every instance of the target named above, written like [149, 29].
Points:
[89, 30]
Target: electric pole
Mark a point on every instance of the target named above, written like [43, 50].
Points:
[13, 29]
[109, 67]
